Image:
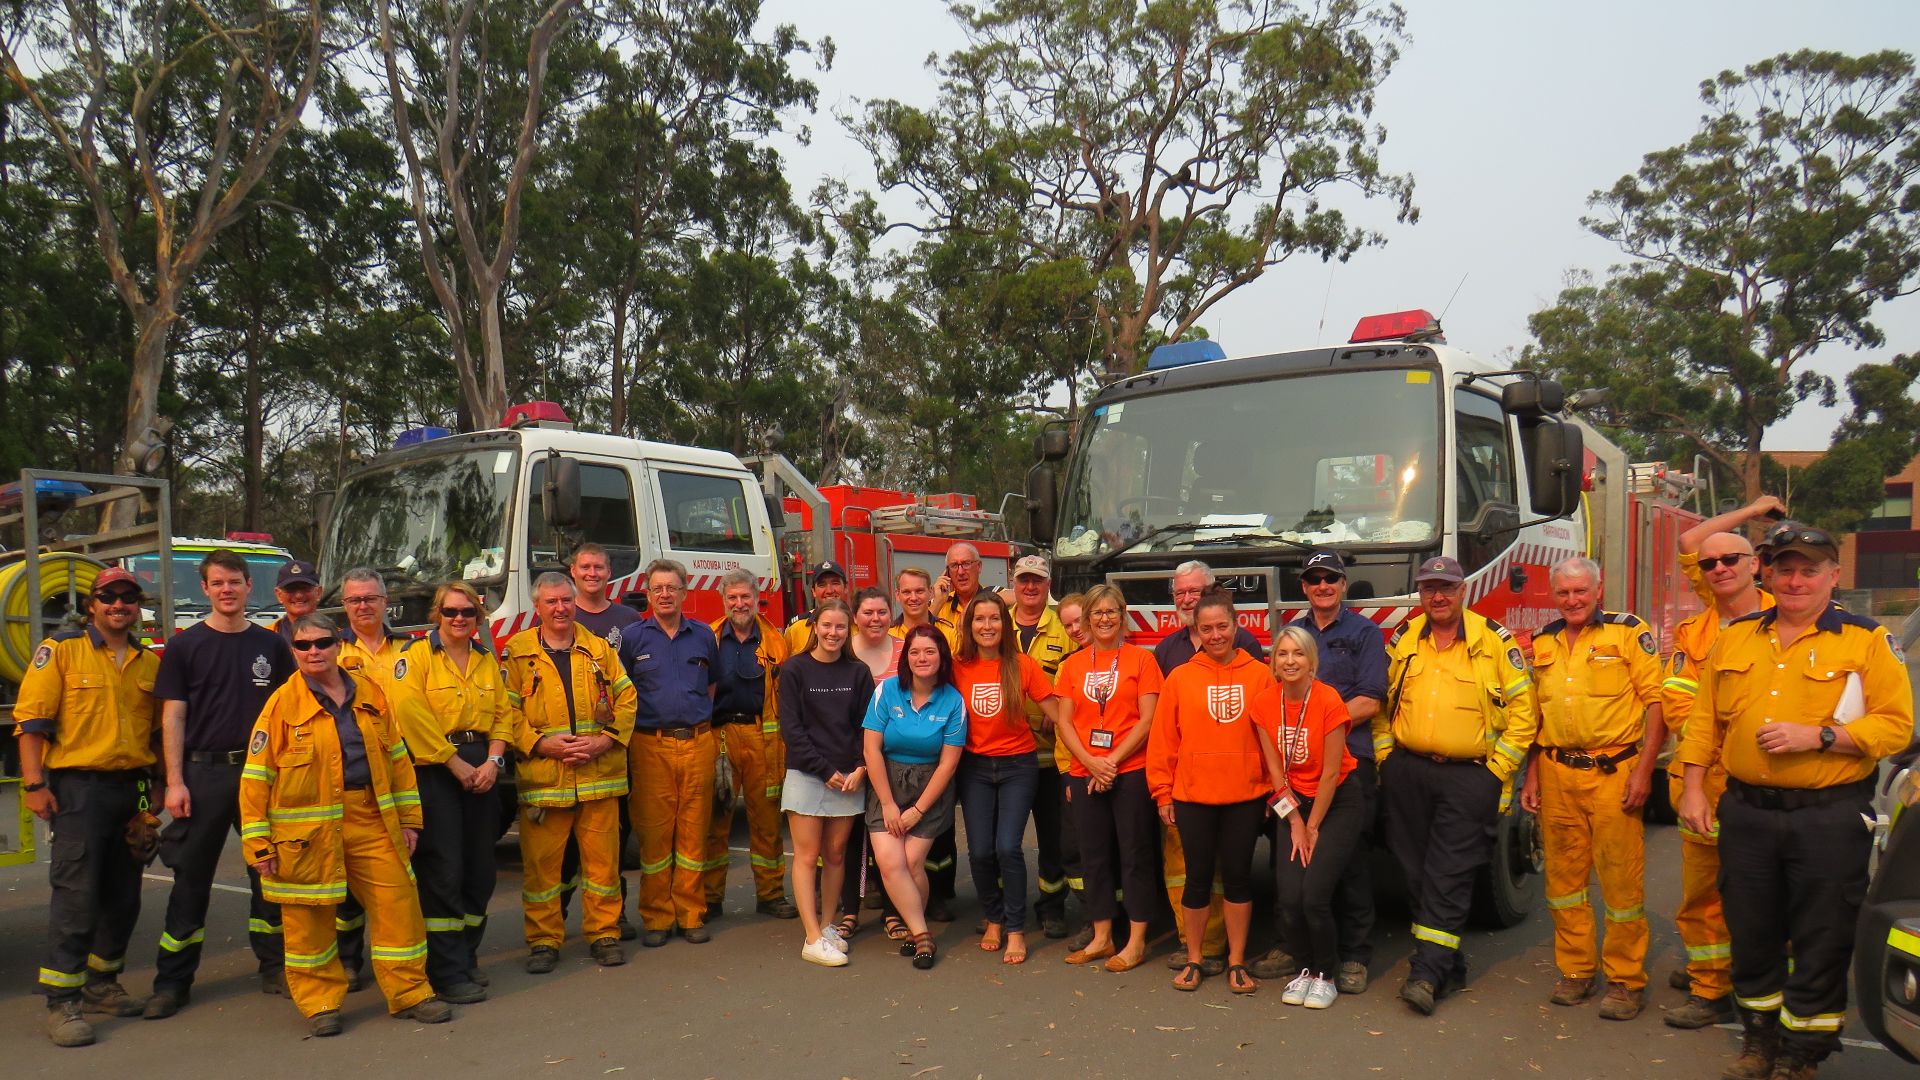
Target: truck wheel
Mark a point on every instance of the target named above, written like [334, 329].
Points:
[1509, 888]
[1659, 808]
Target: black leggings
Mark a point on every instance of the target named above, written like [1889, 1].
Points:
[1117, 826]
[1218, 838]
[1307, 919]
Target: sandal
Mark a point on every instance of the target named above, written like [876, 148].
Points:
[1241, 981]
[924, 950]
[1015, 954]
[846, 926]
[897, 928]
[1180, 981]
[990, 939]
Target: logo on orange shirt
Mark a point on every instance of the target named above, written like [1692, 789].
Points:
[1226, 703]
[985, 699]
[1100, 685]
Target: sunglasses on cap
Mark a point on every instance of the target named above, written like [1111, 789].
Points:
[309, 644]
[1318, 579]
[1708, 562]
[1785, 537]
[117, 596]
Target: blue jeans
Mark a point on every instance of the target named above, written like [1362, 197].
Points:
[996, 795]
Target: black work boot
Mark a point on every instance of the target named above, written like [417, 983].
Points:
[1759, 1045]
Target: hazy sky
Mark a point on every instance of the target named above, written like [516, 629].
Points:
[1507, 114]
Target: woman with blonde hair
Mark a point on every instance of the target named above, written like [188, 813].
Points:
[450, 704]
[1306, 721]
[1111, 689]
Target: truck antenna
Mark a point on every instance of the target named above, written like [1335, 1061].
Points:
[1320, 331]
[1451, 299]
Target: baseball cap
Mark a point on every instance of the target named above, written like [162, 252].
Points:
[1440, 568]
[1330, 561]
[296, 572]
[1032, 566]
[828, 566]
[1804, 539]
[112, 576]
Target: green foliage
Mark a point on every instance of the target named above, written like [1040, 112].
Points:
[1777, 229]
[1131, 165]
[1876, 440]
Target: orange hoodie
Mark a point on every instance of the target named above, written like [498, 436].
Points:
[1204, 747]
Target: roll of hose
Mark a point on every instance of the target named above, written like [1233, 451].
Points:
[60, 571]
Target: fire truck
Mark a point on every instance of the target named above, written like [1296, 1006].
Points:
[1391, 448]
[495, 508]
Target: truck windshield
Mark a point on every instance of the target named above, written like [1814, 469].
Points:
[262, 568]
[429, 519]
[1340, 457]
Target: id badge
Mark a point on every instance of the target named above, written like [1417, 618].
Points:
[1100, 740]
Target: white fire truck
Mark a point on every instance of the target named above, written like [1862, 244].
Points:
[495, 508]
[1391, 448]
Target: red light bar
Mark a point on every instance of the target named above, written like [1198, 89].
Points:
[1396, 326]
[251, 537]
[535, 412]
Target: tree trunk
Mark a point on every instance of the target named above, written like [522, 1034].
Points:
[618, 383]
[253, 431]
[492, 404]
[155, 322]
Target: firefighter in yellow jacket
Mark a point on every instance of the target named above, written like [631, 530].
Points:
[451, 704]
[328, 807]
[573, 713]
[1457, 723]
[1721, 566]
[1597, 679]
[747, 714]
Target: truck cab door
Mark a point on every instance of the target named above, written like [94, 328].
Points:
[1486, 487]
[710, 520]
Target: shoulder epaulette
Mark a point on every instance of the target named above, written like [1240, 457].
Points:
[1752, 616]
[1398, 633]
[1850, 619]
[68, 634]
[1553, 627]
[1622, 618]
[1504, 633]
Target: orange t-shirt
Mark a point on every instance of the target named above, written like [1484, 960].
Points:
[997, 727]
[1121, 679]
[1300, 731]
[1204, 747]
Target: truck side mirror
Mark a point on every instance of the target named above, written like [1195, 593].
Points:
[560, 493]
[1042, 498]
[1556, 456]
[776, 514]
[1531, 399]
[1051, 444]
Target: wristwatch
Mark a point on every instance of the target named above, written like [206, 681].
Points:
[41, 786]
[1826, 737]
[499, 760]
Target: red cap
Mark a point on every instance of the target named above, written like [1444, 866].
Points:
[112, 576]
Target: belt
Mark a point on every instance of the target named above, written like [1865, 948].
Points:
[1442, 759]
[736, 718]
[700, 728]
[1776, 798]
[101, 776]
[462, 738]
[209, 757]
[1586, 759]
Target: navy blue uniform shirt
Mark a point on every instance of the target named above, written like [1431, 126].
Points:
[673, 676]
[1353, 660]
[741, 681]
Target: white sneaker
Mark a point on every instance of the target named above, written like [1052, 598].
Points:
[1322, 994]
[831, 933]
[821, 951]
[1296, 992]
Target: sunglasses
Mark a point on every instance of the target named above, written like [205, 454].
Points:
[1728, 561]
[309, 644]
[117, 596]
[1318, 579]
[458, 612]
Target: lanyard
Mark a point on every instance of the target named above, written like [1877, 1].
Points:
[1106, 688]
[1287, 729]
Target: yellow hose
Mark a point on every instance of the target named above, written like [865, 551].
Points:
[59, 570]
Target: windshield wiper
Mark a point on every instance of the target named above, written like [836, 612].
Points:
[1247, 537]
[1149, 537]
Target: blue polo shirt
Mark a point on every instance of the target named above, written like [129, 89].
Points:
[913, 736]
[673, 676]
[354, 770]
[1353, 660]
[741, 685]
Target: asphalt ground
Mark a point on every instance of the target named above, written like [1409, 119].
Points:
[746, 1005]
